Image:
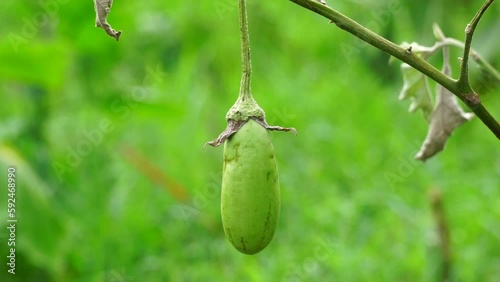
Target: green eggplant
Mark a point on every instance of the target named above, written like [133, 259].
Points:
[250, 201]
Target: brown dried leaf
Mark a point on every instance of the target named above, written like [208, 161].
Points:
[446, 116]
[102, 10]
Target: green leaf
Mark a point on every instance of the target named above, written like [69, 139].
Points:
[416, 88]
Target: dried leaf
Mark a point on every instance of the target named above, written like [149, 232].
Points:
[446, 116]
[416, 87]
[102, 10]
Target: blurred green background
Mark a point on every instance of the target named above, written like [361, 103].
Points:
[113, 182]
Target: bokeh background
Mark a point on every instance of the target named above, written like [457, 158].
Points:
[113, 182]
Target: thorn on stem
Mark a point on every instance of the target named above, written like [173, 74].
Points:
[468, 29]
[472, 99]
[408, 50]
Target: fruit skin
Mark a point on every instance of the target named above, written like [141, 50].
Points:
[250, 202]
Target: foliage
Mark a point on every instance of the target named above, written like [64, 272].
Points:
[114, 184]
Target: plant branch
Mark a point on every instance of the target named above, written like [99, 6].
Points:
[447, 41]
[485, 65]
[379, 42]
[463, 80]
[246, 63]
[470, 98]
[443, 231]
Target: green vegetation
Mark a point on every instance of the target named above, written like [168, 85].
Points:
[113, 182]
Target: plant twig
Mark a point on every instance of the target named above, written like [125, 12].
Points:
[246, 62]
[443, 231]
[246, 107]
[485, 65]
[378, 41]
[463, 80]
[470, 98]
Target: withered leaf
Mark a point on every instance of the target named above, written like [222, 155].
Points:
[446, 116]
[102, 10]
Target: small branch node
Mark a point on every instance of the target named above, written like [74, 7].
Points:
[472, 99]
[468, 29]
[457, 87]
